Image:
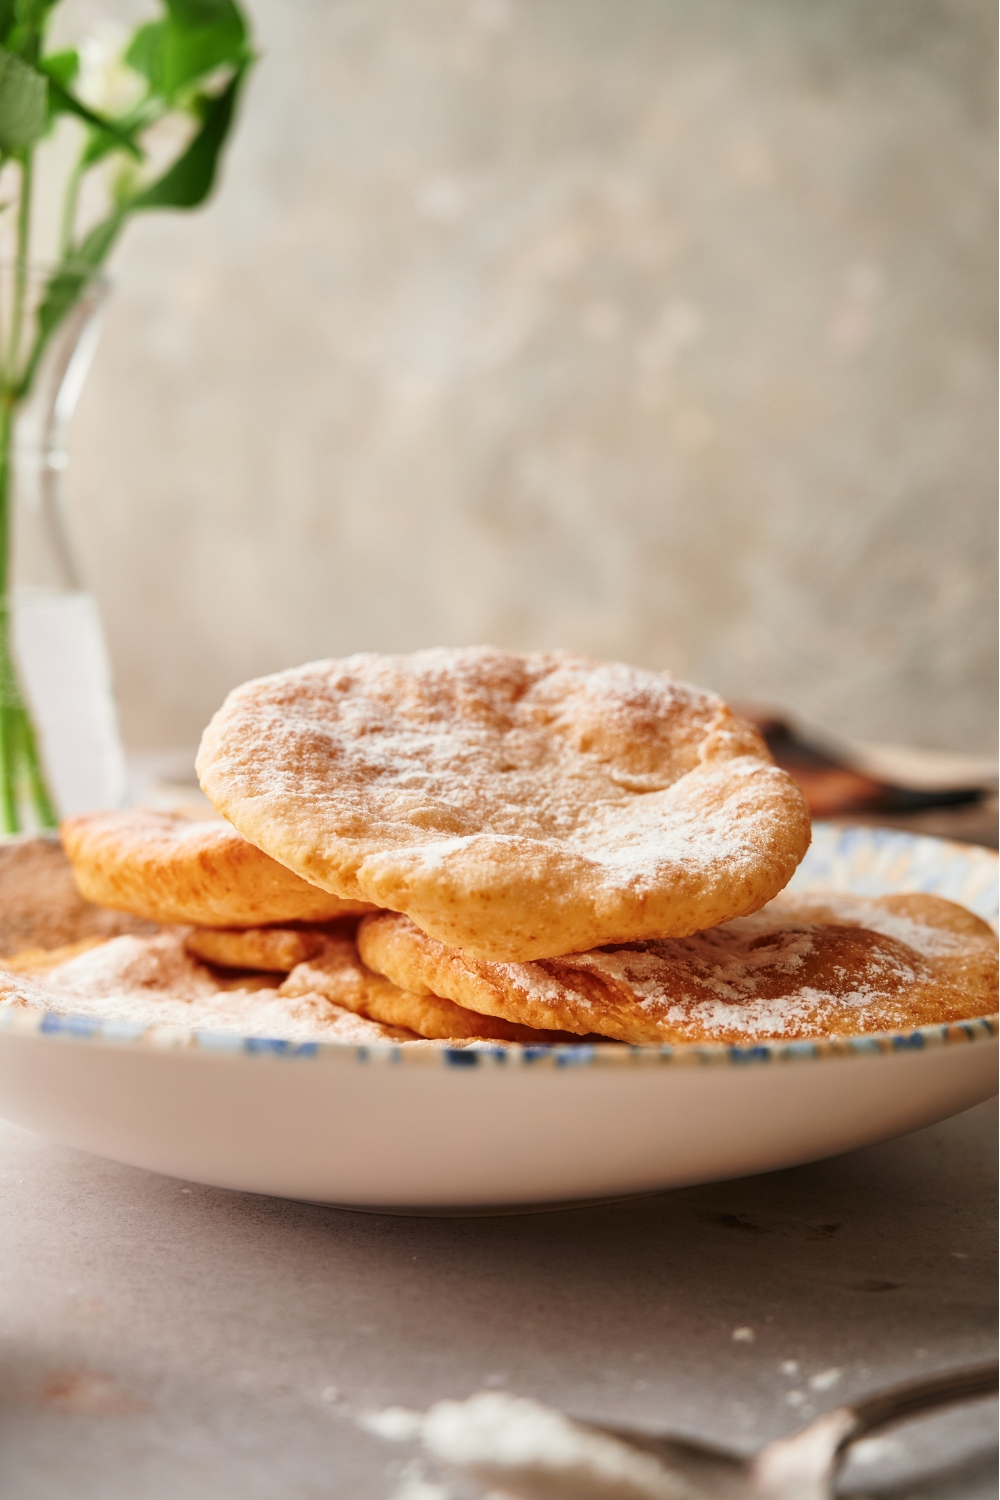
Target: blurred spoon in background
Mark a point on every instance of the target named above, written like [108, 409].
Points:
[527, 1451]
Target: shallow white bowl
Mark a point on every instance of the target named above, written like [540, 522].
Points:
[384, 1127]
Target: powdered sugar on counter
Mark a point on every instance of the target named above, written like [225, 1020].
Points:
[498, 1438]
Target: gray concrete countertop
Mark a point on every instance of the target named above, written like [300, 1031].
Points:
[162, 1339]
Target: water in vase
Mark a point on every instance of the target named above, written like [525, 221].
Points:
[67, 679]
[60, 658]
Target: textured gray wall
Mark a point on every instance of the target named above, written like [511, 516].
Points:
[660, 330]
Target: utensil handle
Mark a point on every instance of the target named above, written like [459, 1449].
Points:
[920, 1395]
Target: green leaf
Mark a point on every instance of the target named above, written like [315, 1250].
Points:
[197, 37]
[145, 52]
[32, 12]
[90, 254]
[189, 181]
[23, 98]
[190, 55]
[66, 285]
[61, 101]
[203, 13]
[62, 67]
[7, 18]
[24, 37]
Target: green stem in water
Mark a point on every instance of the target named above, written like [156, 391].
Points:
[69, 209]
[37, 787]
[6, 435]
[22, 778]
[5, 158]
[9, 810]
[20, 267]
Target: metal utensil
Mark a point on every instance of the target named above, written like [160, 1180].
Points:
[532, 1452]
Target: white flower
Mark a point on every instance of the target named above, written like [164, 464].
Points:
[105, 81]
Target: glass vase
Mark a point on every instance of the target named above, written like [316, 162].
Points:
[59, 737]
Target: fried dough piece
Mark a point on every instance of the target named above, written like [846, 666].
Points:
[157, 981]
[275, 949]
[154, 981]
[515, 805]
[172, 868]
[829, 965]
[339, 974]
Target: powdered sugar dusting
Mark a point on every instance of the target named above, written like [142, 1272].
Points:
[930, 942]
[462, 741]
[751, 979]
[154, 982]
[158, 967]
[802, 966]
[515, 805]
[533, 981]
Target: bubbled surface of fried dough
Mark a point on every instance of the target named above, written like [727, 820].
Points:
[172, 868]
[833, 965]
[514, 805]
[339, 974]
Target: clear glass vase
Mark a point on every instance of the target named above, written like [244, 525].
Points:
[49, 623]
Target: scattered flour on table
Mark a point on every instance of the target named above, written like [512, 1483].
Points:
[498, 1437]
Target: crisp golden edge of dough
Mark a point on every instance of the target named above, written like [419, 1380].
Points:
[391, 944]
[387, 943]
[274, 950]
[340, 974]
[126, 861]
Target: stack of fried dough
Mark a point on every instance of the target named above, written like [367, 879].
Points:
[488, 846]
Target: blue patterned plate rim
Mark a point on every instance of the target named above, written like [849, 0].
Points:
[614, 1054]
[868, 861]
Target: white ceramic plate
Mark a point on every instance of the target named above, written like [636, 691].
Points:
[388, 1128]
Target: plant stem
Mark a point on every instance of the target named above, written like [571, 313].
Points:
[6, 434]
[9, 812]
[69, 209]
[22, 777]
[9, 694]
[8, 681]
[5, 158]
[21, 774]
[20, 265]
[37, 788]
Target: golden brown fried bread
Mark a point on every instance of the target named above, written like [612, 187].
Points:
[832, 965]
[516, 806]
[277, 950]
[172, 868]
[154, 981]
[339, 974]
[159, 981]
